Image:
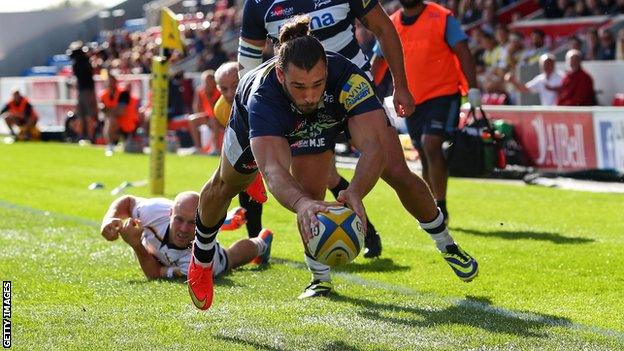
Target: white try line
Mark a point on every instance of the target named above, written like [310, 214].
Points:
[355, 279]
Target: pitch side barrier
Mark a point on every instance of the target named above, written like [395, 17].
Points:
[52, 97]
[567, 138]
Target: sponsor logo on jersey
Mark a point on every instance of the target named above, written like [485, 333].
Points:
[319, 3]
[280, 11]
[321, 21]
[308, 129]
[328, 98]
[355, 91]
[365, 3]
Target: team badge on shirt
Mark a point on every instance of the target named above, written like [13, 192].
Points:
[356, 90]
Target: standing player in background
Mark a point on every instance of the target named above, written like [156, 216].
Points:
[300, 101]
[161, 231]
[333, 23]
[226, 78]
[438, 63]
[86, 108]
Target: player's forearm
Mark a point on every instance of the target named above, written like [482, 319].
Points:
[150, 266]
[368, 170]
[284, 187]
[393, 53]
[121, 207]
[467, 63]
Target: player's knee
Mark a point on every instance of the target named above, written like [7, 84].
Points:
[395, 172]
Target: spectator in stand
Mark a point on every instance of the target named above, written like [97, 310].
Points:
[608, 6]
[618, 7]
[491, 52]
[471, 12]
[595, 8]
[577, 87]
[204, 114]
[501, 33]
[515, 50]
[544, 84]
[566, 7]
[552, 8]
[86, 109]
[537, 48]
[592, 42]
[575, 43]
[19, 112]
[619, 55]
[489, 18]
[607, 45]
[219, 57]
[580, 9]
[453, 5]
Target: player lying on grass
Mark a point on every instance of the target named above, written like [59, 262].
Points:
[286, 116]
[161, 231]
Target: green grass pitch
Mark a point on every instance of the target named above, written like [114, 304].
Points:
[550, 270]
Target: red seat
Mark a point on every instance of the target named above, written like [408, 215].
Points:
[618, 99]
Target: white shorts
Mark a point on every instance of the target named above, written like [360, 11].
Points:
[219, 260]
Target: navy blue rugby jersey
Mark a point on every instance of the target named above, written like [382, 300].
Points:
[332, 22]
[262, 108]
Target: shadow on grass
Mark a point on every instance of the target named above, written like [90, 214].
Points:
[243, 342]
[331, 346]
[221, 280]
[373, 265]
[472, 311]
[519, 235]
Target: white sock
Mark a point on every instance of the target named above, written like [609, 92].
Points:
[438, 232]
[261, 246]
[319, 271]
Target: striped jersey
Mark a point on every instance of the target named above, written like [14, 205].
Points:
[332, 22]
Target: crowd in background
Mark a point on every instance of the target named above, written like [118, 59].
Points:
[211, 38]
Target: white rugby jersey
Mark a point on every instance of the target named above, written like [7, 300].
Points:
[332, 22]
[154, 215]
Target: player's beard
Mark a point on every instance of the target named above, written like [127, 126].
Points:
[410, 4]
[304, 109]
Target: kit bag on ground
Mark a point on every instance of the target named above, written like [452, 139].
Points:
[474, 149]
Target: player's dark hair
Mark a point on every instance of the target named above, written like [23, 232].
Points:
[297, 46]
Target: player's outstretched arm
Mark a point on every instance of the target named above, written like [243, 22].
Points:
[273, 156]
[118, 210]
[366, 133]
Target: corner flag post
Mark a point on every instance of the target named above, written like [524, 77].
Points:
[170, 37]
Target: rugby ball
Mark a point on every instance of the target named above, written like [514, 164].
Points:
[337, 239]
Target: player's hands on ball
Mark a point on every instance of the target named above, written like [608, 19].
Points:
[131, 231]
[110, 228]
[354, 202]
[306, 215]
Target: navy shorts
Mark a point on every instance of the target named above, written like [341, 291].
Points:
[437, 116]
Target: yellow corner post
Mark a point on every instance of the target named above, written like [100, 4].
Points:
[158, 124]
[170, 39]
